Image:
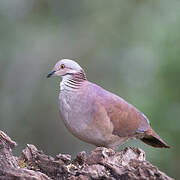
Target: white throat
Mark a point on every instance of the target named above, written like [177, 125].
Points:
[64, 83]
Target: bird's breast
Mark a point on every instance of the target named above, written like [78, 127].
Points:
[78, 114]
[75, 112]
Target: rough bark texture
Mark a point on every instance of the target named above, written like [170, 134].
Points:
[102, 163]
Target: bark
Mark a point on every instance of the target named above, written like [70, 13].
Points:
[102, 163]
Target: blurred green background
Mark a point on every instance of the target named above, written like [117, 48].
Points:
[129, 47]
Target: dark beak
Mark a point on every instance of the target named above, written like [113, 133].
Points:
[50, 74]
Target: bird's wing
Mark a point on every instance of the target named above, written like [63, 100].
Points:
[126, 119]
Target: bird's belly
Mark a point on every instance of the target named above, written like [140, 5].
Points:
[83, 130]
[79, 123]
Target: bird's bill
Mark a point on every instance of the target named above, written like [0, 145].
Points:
[50, 74]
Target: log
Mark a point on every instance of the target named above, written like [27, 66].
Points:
[102, 163]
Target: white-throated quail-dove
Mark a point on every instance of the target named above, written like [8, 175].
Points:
[97, 116]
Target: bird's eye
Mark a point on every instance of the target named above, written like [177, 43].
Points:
[62, 66]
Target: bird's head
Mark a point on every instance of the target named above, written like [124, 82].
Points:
[65, 67]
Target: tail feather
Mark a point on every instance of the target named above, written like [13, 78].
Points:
[152, 139]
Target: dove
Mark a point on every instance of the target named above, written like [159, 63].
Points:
[97, 116]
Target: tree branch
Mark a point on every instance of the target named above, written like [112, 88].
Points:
[102, 163]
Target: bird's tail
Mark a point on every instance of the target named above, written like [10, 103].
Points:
[152, 139]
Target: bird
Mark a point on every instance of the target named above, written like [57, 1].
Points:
[97, 116]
